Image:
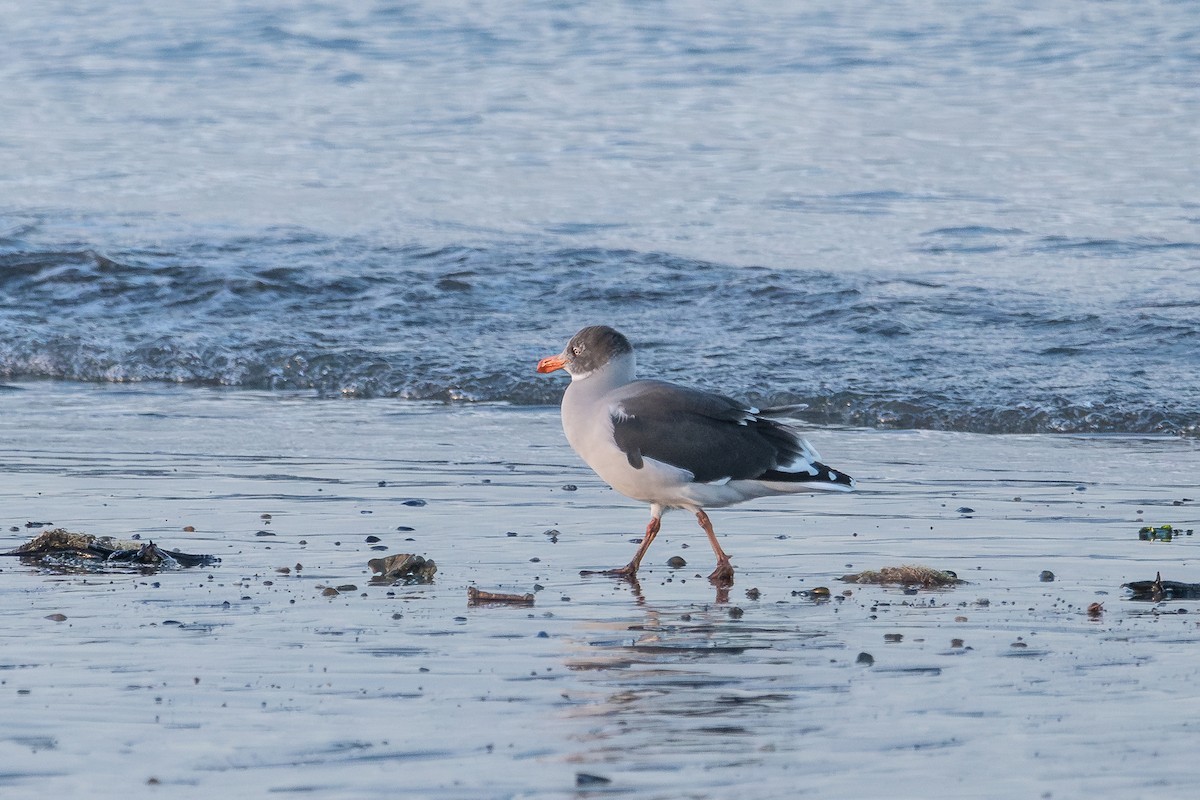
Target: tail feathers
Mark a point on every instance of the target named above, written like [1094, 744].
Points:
[781, 412]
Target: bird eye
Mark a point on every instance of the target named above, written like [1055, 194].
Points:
[576, 350]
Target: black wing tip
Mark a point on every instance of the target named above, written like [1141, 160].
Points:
[822, 474]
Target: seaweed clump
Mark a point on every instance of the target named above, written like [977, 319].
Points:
[68, 550]
[907, 575]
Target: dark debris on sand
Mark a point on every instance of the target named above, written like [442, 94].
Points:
[907, 575]
[66, 549]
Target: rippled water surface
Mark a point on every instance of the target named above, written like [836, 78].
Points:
[922, 214]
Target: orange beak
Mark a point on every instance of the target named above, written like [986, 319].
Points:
[551, 363]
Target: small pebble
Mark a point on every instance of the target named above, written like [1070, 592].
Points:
[753, 594]
[56, 617]
[956, 643]
[569, 487]
[414, 502]
[676, 562]
[189, 529]
[372, 539]
[893, 637]
[587, 779]
[1046, 576]
[865, 658]
[966, 510]
[736, 613]
[329, 591]
[264, 516]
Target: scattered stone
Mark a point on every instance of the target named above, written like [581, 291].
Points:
[329, 591]
[676, 562]
[372, 539]
[414, 502]
[956, 643]
[264, 516]
[865, 658]
[966, 510]
[569, 487]
[478, 597]
[56, 617]
[1046, 577]
[1095, 610]
[587, 779]
[189, 529]
[892, 638]
[264, 533]
[38, 524]
[736, 613]
[402, 568]
[753, 594]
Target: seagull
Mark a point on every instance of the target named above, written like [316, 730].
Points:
[676, 447]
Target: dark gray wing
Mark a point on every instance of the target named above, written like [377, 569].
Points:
[711, 436]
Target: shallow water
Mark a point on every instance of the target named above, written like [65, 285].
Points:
[241, 680]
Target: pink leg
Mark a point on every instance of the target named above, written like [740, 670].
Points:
[630, 569]
[723, 574]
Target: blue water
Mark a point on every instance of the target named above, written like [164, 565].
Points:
[977, 216]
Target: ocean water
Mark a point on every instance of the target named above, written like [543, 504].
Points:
[923, 214]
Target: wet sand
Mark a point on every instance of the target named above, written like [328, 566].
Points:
[240, 680]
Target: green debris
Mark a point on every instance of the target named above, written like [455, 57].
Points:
[1162, 533]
